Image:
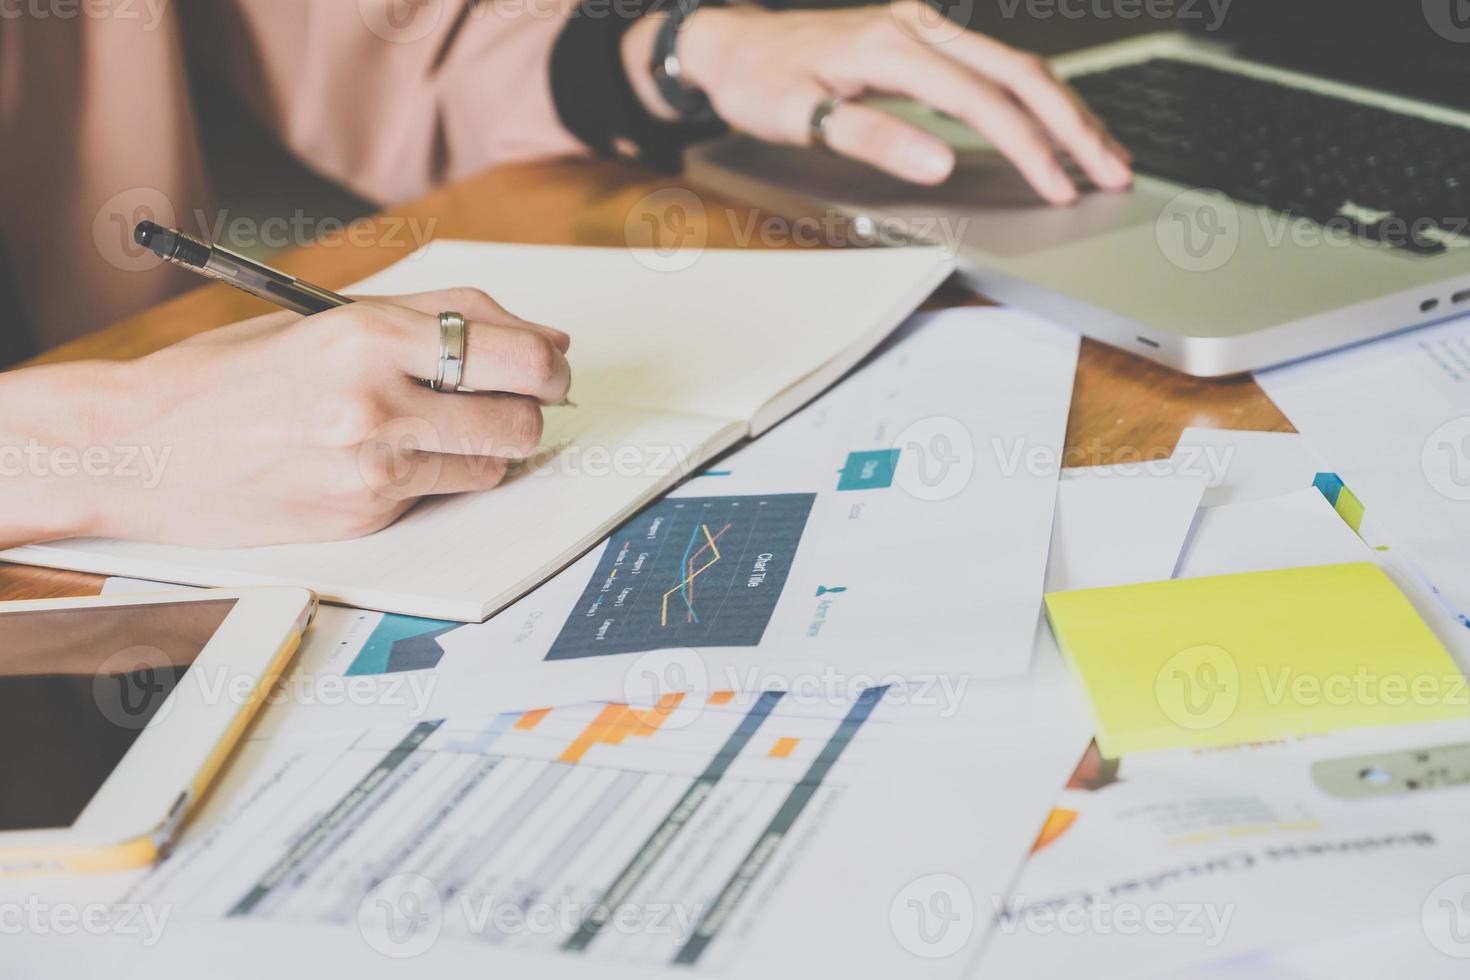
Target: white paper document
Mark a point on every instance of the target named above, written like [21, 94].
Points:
[1119, 526]
[1430, 946]
[1161, 863]
[888, 527]
[668, 372]
[1289, 531]
[1393, 417]
[1242, 465]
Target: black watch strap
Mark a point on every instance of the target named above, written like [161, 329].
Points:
[595, 99]
[690, 103]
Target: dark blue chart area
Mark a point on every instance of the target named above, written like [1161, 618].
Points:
[401, 643]
[688, 572]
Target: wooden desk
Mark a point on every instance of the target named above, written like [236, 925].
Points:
[1124, 408]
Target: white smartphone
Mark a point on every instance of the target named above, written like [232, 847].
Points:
[116, 713]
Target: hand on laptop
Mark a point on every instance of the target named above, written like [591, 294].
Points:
[766, 72]
[278, 429]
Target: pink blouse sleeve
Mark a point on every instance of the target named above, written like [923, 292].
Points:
[391, 97]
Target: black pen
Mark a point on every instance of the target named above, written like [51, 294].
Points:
[215, 262]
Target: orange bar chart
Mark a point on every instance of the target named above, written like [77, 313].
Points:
[618, 721]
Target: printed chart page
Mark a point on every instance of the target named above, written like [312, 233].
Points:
[889, 527]
[726, 834]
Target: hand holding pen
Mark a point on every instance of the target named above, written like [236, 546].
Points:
[298, 295]
[285, 428]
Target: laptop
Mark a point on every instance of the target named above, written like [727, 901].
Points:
[1303, 184]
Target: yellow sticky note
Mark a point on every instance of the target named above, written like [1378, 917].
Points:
[1243, 658]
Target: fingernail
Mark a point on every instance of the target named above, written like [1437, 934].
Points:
[1117, 171]
[1063, 191]
[930, 165]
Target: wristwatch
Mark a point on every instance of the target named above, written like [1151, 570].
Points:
[690, 103]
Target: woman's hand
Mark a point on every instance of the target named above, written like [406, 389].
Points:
[279, 429]
[766, 73]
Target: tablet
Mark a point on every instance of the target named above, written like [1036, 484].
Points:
[117, 712]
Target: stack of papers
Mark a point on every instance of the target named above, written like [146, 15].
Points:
[795, 708]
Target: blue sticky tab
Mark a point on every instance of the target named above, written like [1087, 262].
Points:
[1330, 484]
[869, 470]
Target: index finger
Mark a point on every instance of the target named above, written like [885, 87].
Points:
[915, 69]
[1051, 100]
[474, 304]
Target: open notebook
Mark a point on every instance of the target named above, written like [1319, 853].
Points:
[669, 369]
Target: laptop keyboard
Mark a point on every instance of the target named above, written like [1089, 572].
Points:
[1389, 177]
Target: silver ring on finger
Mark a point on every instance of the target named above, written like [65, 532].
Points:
[451, 352]
[821, 117]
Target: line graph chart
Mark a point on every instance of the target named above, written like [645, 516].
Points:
[688, 572]
[685, 588]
